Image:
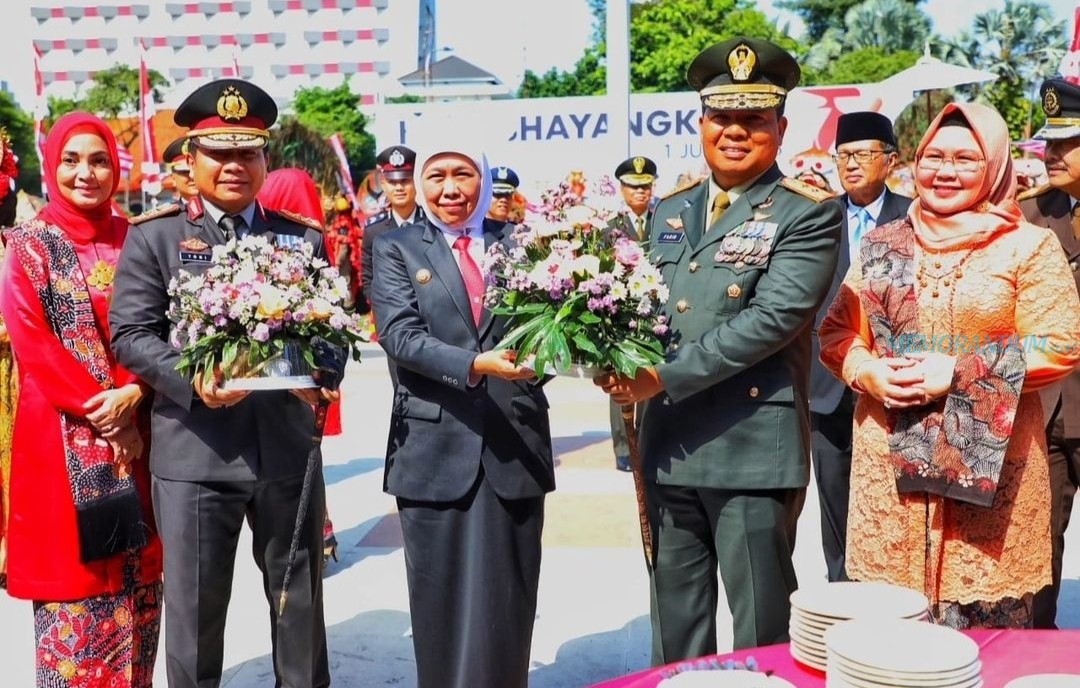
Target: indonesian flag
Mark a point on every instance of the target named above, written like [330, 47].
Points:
[41, 109]
[343, 168]
[1070, 63]
[126, 160]
[151, 172]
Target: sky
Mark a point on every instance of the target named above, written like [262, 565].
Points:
[505, 37]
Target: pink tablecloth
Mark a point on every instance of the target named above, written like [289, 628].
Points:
[1005, 655]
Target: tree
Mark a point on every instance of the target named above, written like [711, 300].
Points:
[405, 98]
[20, 128]
[1023, 45]
[599, 13]
[865, 65]
[822, 15]
[666, 35]
[58, 107]
[115, 94]
[889, 25]
[589, 78]
[296, 145]
[328, 111]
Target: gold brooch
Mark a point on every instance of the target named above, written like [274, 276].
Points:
[423, 276]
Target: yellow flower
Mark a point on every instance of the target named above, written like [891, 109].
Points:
[320, 309]
[67, 669]
[272, 302]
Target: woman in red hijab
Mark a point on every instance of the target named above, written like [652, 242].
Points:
[293, 190]
[81, 539]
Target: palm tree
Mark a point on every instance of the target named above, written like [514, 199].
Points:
[890, 25]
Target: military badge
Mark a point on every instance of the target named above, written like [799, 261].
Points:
[734, 291]
[1051, 103]
[423, 276]
[194, 244]
[397, 158]
[639, 164]
[741, 61]
[748, 244]
[231, 106]
[675, 222]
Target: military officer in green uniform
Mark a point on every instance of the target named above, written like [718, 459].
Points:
[748, 256]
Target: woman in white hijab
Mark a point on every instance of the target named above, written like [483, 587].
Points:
[469, 453]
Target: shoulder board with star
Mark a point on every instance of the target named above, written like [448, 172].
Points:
[161, 211]
[684, 187]
[1033, 193]
[803, 189]
[378, 217]
[300, 219]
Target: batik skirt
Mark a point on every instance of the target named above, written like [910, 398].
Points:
[107, 641]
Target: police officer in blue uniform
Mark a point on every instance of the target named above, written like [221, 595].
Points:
[504, 183]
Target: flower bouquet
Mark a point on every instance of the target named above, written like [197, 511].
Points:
[254, 311]
[581, 297]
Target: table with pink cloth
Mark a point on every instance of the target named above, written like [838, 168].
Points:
[1005, 655]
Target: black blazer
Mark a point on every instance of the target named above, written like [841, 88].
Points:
[267, 435]
[825, 390]
[442, 430]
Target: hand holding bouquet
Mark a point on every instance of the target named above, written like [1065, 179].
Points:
[255, 302]
[577, 291]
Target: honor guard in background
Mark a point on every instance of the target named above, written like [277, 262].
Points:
[636, 177]
[504, 184]
[865, 155]
[396, 171]
[179, 167]
[748, 256]
[219, 458]
[1054, 205]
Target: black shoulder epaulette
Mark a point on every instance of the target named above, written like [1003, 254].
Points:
[378, 217]
[300, 219]
[160, 211]
[684, 187]
[803, 189]
[1033, 193]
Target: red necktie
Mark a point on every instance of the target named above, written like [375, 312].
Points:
[474, 280]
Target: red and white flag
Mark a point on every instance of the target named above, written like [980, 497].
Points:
[126, 161]
[1070, 63]
[343, 168]
[41, 110]
[151, 172]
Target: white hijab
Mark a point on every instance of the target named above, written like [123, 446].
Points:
[476, 218]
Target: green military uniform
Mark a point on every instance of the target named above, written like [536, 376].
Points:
[726, 444]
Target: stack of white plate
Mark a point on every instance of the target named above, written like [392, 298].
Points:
[899, 653]
[724, 678]
[816, 609]
[1045, 681]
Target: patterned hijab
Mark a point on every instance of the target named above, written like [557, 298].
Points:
[81, 225]
[994, 209]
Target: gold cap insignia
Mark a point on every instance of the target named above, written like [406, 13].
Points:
[1051, 104]
[734, 291]
[231, 106]
[423, 276]
[741, 60]
[639, 164]
[397, 159]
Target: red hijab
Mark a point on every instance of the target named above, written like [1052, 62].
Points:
[81, 225]
[292, 189]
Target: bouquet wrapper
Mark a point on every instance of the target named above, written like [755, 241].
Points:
[286, 370]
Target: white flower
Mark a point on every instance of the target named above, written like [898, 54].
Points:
[586, 265]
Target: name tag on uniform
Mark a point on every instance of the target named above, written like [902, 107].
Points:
[670, 237]
[192, 257]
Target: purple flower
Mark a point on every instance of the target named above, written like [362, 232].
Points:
[261, 333]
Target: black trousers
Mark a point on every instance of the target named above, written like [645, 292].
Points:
[200, 524]
[1064, 455]
[831, 455]
[473, 569]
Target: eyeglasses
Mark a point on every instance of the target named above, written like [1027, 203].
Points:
[960, 163]
[861, 156]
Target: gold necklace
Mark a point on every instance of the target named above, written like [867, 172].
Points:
[939, 271]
